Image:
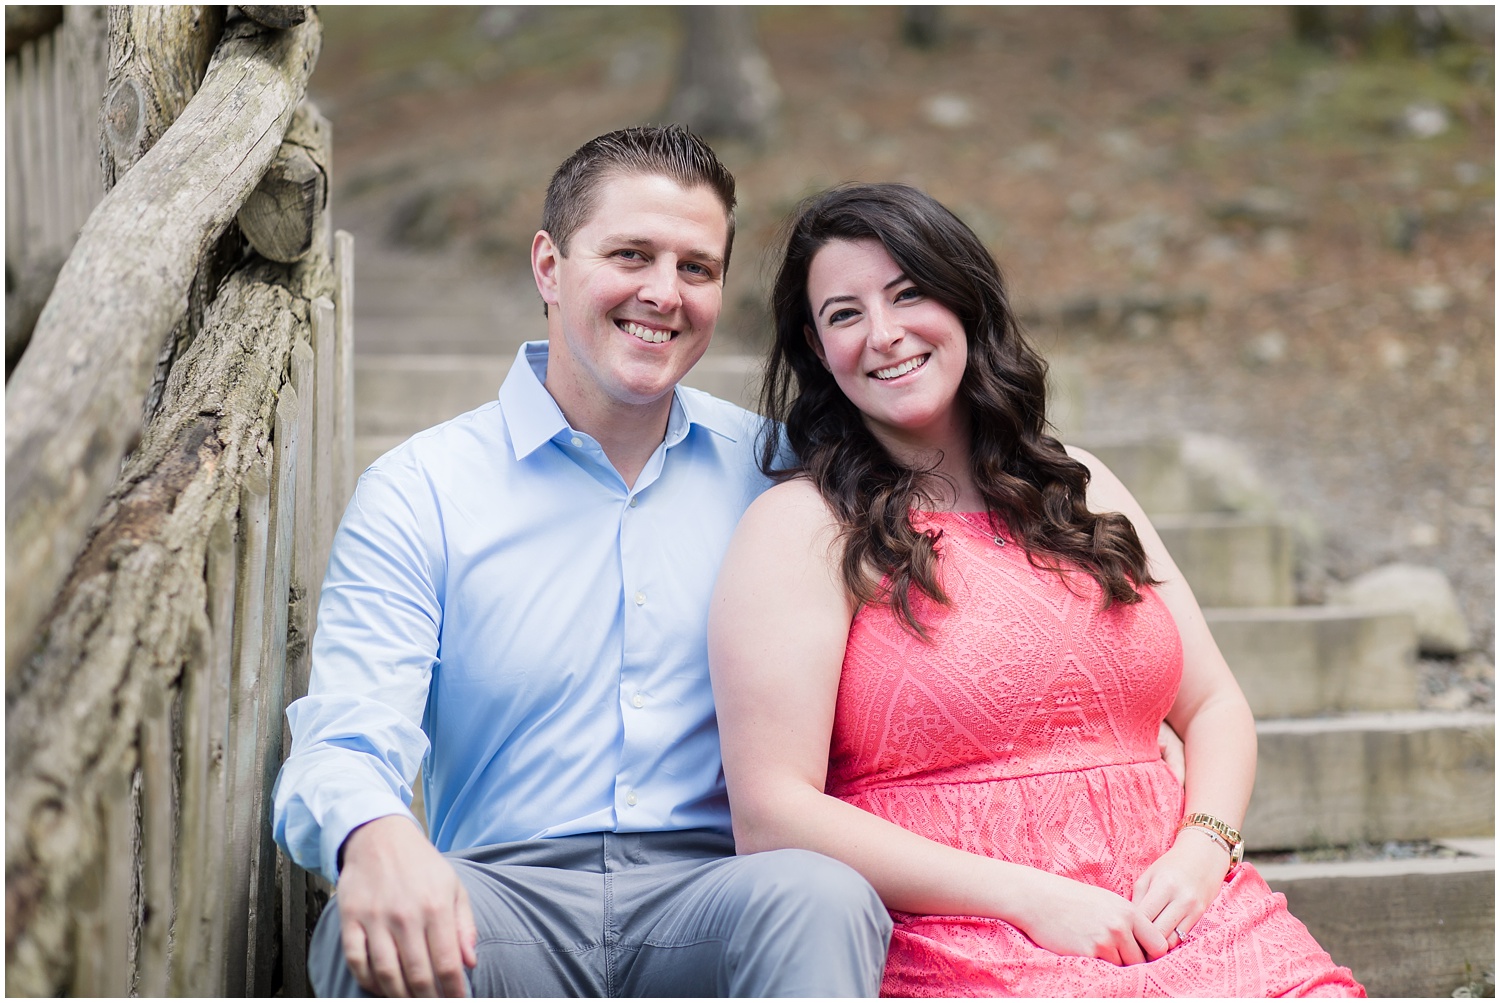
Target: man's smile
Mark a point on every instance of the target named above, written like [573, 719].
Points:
[651, 335]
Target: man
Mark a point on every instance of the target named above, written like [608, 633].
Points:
[517, 602]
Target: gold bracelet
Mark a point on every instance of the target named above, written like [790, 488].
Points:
[1223, 833]
[1231, 835]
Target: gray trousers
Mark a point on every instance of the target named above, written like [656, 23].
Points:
[654, 914]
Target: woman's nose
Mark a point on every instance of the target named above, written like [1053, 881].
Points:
[884, 331]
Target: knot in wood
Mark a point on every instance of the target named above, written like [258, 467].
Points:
[124, 111]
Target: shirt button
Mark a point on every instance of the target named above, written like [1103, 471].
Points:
[640, 598]
[631, 799]
[577, 441]
[637, 701]
[632, 503]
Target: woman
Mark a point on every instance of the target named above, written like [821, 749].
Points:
[934, 661]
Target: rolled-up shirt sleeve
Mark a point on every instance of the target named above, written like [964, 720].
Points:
[357, 738]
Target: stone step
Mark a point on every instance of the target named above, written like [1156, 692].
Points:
[1372, 778]
[444, 334]
[1297, 661]
[735, 378]
[1151, 468]
[396, 396]
[1419, 927]
[402, 394]
[407, 303]
[417, 295]
[369, 448]
[1185, 472]
[1232, 560]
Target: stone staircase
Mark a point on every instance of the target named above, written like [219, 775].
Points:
[1346, 756]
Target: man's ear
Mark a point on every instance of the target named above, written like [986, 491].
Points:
[817, 345]
[544, 260]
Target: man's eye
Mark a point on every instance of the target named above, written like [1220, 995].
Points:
[629, 254]
[697, 269]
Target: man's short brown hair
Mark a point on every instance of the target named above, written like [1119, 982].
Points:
[668, 150]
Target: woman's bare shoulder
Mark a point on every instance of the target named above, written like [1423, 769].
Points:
[797, 498]
[790, 518]
[1106, 493]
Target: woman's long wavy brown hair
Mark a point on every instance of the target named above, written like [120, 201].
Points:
[1029, 484]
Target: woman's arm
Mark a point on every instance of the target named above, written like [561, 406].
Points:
[777, 630]
[1210, 714]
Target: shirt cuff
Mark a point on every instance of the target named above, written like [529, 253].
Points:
[346, 818]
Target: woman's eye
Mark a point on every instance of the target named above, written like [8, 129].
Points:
[839, 316]
[909, 293]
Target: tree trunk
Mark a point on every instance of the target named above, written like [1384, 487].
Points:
[724, 85]
[923, 26]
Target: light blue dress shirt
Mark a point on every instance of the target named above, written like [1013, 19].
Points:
[503, 611]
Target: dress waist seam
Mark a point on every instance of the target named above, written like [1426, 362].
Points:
[920, 781]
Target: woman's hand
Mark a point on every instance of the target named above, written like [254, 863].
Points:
[1070, 917]
[1172, 752]
[1178, 889]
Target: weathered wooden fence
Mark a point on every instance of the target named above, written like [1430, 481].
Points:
[53, 87]
[178, 446]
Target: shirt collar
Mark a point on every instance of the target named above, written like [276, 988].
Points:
[534, 418]
[531, 415]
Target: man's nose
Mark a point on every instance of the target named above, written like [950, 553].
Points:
[660, 285]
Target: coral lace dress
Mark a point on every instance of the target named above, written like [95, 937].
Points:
[1027, 731]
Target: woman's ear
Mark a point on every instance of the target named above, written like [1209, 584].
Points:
[816, 344]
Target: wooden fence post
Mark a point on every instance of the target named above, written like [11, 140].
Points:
[302, 611]
[223, 581]
[343, 268]
[204, 719]
[158, 804]
[271, 692]
[324, 336]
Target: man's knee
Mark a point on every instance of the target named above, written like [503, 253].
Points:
[801, 882]
[811, 926]
[327, 969]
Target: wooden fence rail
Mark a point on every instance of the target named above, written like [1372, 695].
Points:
[144, 718]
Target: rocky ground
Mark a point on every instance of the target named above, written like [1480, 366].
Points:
[1218, 230]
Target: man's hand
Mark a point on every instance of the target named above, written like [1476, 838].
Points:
[407, 926]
